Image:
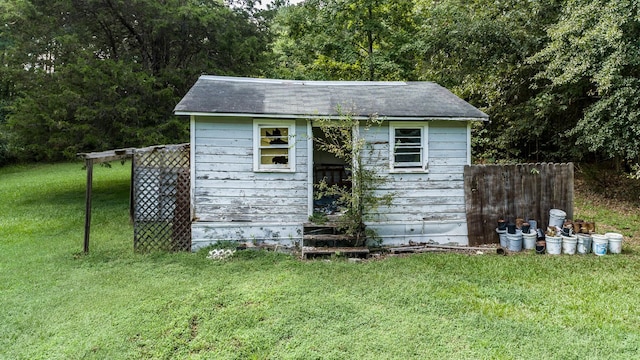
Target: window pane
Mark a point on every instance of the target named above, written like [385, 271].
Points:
[274, 136]
[274, 145]
[405, 150]
[406, 158]
[408, 132]
[408, 148]
[274, 156]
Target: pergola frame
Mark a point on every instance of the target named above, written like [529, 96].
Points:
[99, 158]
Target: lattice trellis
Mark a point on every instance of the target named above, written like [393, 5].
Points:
[162, 211]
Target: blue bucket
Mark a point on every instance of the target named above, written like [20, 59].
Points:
[503, 238]
[600, 243]
[515, 242]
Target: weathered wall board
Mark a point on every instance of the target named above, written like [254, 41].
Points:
[428, 206]
[234, 202]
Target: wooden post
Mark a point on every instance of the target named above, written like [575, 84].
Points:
[131, 189]
[87, 218]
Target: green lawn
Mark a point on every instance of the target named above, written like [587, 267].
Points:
[114, 303]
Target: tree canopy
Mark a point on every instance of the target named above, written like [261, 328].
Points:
[95, 74]
[559, 78]
[591, 76]
[349, 40]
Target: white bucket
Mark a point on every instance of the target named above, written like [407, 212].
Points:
[515, 242]
[584, 244]
[569, 244]
[600, 243]
[615, 242]
[556, 217]
[503, 238]
[529, 240]
[554, 245]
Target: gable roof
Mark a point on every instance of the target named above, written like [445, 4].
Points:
[235, 96]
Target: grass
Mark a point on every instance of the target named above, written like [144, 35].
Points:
[113, 303]
[610, 214]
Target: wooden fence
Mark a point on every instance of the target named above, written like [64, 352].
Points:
[528, 191]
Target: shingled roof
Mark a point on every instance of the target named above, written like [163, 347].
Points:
[297, 98]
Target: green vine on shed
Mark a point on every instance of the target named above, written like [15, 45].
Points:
[343, 139]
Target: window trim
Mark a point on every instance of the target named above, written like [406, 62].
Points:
[257, 150]
[424, 143]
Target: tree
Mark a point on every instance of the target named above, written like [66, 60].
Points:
[91, 105]
[196, 36]
[87, 75]
[345, 40]
[592, 76]
[11, 14]
[479, 50]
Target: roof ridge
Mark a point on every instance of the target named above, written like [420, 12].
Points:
[302, 82]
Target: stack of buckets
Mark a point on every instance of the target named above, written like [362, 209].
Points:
[515, 237]
[559, 239]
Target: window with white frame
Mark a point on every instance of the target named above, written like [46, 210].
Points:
[274, 145]
[409, 147]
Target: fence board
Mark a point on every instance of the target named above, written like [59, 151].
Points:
[529, 191]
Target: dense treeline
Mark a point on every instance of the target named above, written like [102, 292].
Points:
[559, 78]
[83, 75]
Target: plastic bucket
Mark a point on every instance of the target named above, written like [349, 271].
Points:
[554, 245]
[515, 242]
[556, 217]
[569, 244]
[615, 242]
[533, 224]
[502, 225]
[541, 246]
[529, 240]
[503, 237]
[584, 244]
[600, 243]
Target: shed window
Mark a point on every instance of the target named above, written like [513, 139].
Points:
[274, 146]
[409, 147]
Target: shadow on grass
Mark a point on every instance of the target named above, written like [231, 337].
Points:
[109, 192]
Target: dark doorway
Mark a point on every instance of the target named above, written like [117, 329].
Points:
[330, 169]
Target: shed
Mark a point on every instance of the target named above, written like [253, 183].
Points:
[254, 164]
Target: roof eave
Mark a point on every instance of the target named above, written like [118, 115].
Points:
[331, 116]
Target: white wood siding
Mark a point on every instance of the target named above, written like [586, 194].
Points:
[231, 201]
[427, 206]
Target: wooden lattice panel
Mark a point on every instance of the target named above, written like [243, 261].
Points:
[162, 211]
